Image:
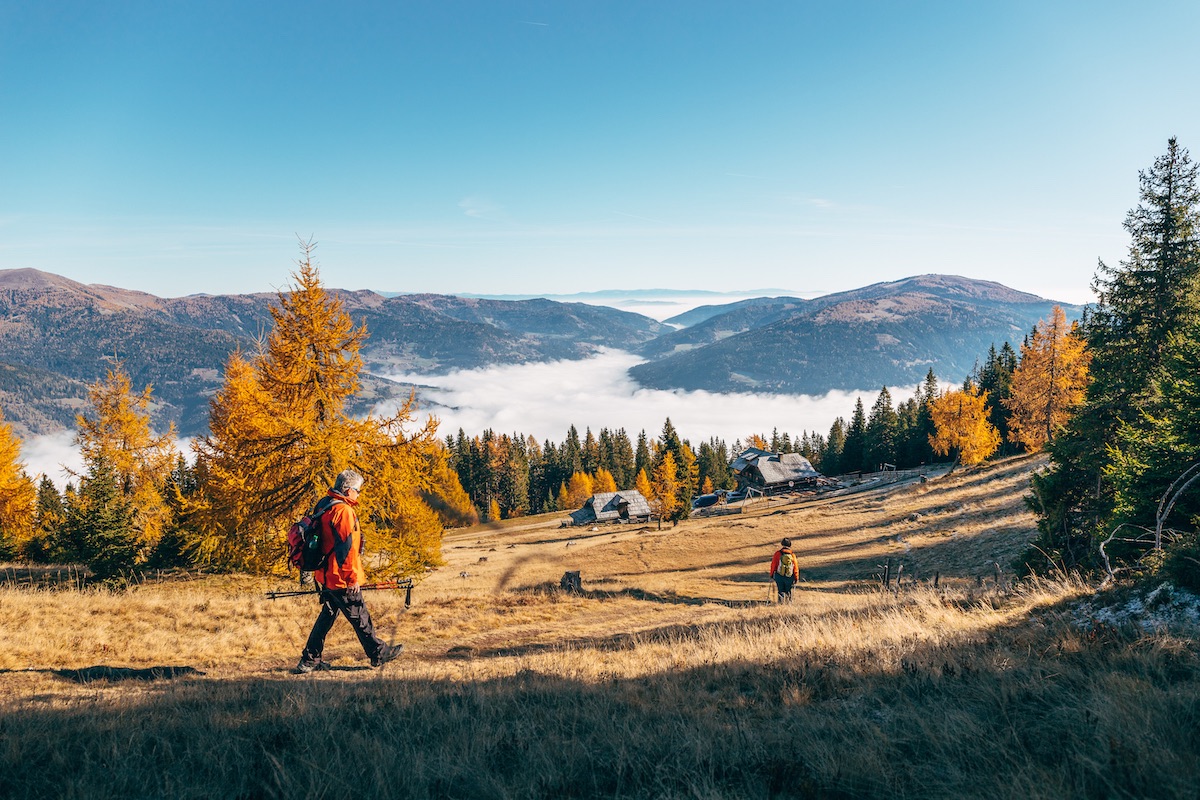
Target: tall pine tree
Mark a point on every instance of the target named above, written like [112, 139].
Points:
[881, 432]
[1151, 296]
[854, 450]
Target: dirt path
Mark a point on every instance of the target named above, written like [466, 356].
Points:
[965, 527]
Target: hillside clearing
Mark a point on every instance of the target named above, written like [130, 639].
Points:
[670, 675]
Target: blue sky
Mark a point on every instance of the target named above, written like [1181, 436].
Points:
[526, 147]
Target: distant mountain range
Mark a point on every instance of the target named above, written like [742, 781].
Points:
[655, 303]
[57, 335]
[885, 334]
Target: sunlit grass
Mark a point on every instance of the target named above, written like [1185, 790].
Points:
[669, 676]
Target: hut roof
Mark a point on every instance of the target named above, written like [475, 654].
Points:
[775, 468]
[612, 506]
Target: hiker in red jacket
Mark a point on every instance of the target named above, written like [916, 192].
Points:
[340, 578]
[785, 569]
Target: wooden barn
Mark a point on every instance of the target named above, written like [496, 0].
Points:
[624, 506]
[770, 473]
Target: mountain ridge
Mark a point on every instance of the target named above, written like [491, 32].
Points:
[180, 345]
[57, 335]
[787, 345]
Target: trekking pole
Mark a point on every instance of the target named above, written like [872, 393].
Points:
[406, 585]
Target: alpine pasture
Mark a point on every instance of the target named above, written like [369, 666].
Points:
[670, 675]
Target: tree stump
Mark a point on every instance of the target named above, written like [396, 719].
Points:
[571, 582]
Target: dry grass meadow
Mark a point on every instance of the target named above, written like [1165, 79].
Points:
[671, 675]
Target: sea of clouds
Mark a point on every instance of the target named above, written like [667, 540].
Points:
[54, 455]
[546, 399]
[57, 456]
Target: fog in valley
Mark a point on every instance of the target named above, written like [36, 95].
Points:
[544, 400]
[53, 455]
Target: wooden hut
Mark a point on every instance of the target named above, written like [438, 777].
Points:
[770, 473]
[623, 506]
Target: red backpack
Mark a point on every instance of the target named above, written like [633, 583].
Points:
[304, 538]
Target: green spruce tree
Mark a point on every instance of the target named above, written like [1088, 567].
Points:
[1102, 474]
[881, 432]
[99, 529]
[854, 451]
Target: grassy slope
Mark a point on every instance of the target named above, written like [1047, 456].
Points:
[670, 676]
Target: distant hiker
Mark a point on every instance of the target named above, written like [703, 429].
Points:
[339, 579]
[785, 569]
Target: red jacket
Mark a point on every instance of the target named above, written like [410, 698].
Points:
[341, 538]
[795, 562]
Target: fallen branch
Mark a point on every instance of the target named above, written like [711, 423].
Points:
[1161, 516]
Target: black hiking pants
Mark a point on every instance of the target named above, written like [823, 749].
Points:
[784, 584]
[349, 602]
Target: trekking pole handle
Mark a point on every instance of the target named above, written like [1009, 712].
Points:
[277, 595]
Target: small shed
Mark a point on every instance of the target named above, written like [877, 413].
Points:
[624, 506]
[770, 472]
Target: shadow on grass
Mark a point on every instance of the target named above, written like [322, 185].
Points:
[117, 674]
[974, 557]
[635, 593]
[669, 598]
[581, 534]
[1038, 710]
[106, 674]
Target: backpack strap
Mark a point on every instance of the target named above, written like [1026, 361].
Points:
[323, 506]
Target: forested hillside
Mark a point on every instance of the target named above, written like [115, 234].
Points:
[63, 335]
[888, 334]
[37, 399]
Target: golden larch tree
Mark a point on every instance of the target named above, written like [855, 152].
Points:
[642, 484]
[603, 481]
[665, 487]
[448, 496]
[404, 508]
[579, 488]
[1049, 383]
[17, 494]
[961, 426]
[118, 433]
[689, 473]
[280, 434]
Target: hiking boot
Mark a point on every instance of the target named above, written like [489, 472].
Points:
[388, 652]
[307, 665]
